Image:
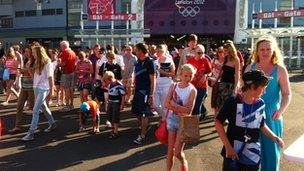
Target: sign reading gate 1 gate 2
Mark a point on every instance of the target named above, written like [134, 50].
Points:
[113, 17]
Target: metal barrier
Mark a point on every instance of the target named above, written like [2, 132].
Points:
[294, 62]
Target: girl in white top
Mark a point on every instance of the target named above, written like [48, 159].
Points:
[166, 70]
[180, 101]
[43, 89]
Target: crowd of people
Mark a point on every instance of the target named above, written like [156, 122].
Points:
[250, 91]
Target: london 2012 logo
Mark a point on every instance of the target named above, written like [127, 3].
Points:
[189, 8]
[100, 6]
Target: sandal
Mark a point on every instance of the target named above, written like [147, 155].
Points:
[14, 130]
[113, 136]
[184, 167]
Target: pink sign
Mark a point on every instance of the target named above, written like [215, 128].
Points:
[100, 7]
[113, 17]
[281, 14]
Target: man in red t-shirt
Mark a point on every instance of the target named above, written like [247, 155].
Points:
[67, 62]
[203, 67]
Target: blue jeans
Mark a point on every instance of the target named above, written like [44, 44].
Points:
[199, 107]
[40, 103]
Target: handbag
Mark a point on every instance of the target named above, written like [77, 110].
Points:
[189, 129]
[161, 132]
[6, 74]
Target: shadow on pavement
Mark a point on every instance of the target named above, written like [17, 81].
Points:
[66, 147]
[297, 78]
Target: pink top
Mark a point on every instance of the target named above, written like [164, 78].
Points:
[83, 68]
[12, 65]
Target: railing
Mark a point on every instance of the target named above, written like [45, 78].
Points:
[294, 62]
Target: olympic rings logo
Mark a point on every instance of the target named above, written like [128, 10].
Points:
[189, 11]
[189, 8]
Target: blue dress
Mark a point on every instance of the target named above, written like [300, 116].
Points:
[270, 151]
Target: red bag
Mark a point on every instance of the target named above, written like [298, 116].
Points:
[0, 127]
[161, 132]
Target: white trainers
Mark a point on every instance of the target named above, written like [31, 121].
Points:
[4, 103]
[108, 123]
[51, 128]
[28, 137]
[139, 140]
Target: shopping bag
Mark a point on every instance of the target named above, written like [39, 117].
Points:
[189, 129]
[1, 129]
[6, 74]
[161, 132]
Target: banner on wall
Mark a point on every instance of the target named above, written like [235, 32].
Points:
[100, 7]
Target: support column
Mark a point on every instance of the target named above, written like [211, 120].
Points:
[260, 20]
[252, 25]
[299, 53]
[290, 51]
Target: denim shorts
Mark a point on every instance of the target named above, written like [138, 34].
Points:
[172, 122]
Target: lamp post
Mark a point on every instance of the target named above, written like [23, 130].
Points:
[67, 19]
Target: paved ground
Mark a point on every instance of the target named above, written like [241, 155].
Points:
[66, 149]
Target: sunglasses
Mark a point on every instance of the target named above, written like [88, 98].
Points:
[220, 52]
[200, 53]
[127, 49]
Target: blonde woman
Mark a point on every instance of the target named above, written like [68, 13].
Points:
[43, 89]
[267, 57]
[230, 75]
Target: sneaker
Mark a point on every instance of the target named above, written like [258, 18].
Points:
[50, 102]
[4, 103]
[51, 128]
[28, 137]
[81, 129]
[108, 123]
[139, 140]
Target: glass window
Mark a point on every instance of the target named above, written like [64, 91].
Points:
[73, 19]
[59, 11]
[31, 13]
[48, 12]
[5, 2]
[19, 14]
[6, 23]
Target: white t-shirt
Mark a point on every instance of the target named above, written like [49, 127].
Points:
[166, 65]
[41, 81]
[182, 94]
[118, 59]
[103, 59]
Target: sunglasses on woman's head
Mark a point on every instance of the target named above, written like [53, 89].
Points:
[199, 53]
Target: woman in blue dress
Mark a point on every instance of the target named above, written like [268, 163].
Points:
[268, 58]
